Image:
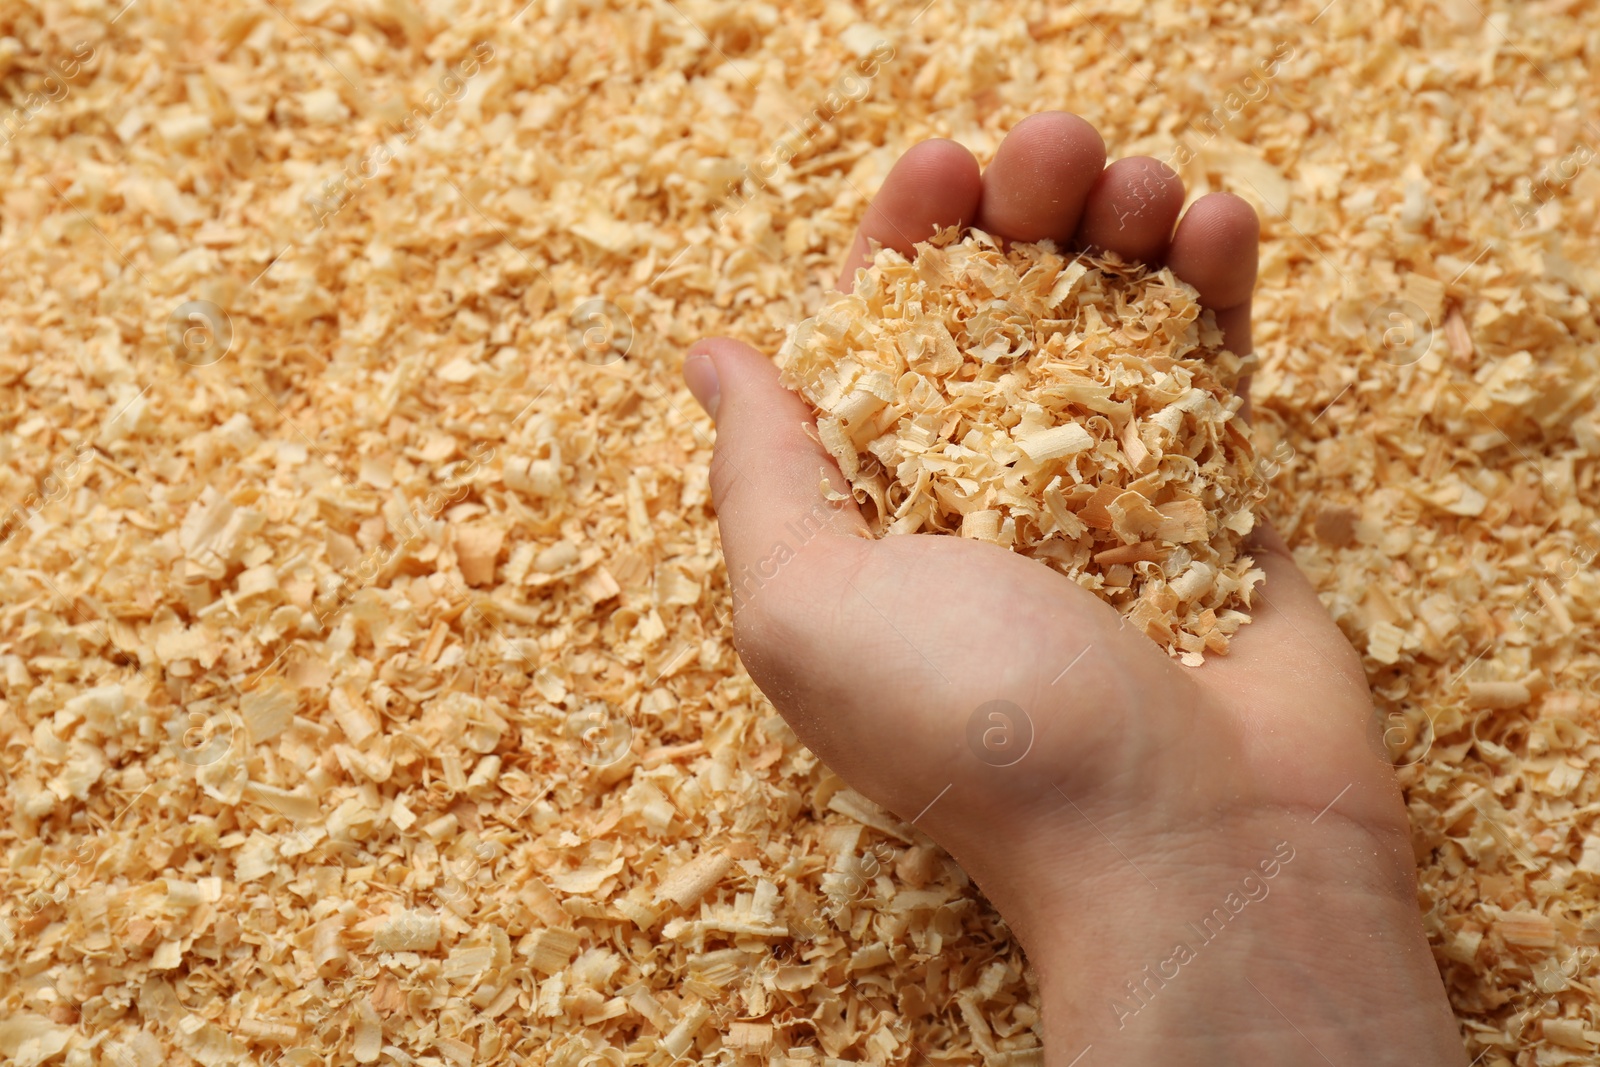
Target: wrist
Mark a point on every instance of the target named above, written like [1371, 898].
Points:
[1273, 940]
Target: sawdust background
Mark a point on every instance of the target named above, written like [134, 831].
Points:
[406, 770]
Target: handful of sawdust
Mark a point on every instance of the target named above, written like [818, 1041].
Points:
[1079, 410]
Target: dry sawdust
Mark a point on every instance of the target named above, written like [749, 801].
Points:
[1075, 409]
[403, 549]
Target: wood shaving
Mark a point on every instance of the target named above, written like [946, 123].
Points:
[1078, 410]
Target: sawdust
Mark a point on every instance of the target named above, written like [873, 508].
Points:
[260, 730]
[1077, 410]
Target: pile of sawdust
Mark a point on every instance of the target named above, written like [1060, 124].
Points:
[491, 786]
[1078, 410]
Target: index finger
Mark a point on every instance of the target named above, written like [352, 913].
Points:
[934, 185]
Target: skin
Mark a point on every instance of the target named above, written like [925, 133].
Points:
[1150, 791]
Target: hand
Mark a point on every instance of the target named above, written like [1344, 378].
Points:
[1112, 797]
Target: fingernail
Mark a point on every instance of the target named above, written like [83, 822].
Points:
[700, 374]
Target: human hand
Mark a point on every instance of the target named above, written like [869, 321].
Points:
[1118, 796]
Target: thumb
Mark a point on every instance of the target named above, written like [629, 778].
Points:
[768, 467]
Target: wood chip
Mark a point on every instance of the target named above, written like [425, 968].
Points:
[549, 951]
[690, 882]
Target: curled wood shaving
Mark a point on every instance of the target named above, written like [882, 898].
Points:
[1078, 410]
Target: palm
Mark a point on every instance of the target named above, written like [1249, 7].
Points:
[883, 654]
[886, 653]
